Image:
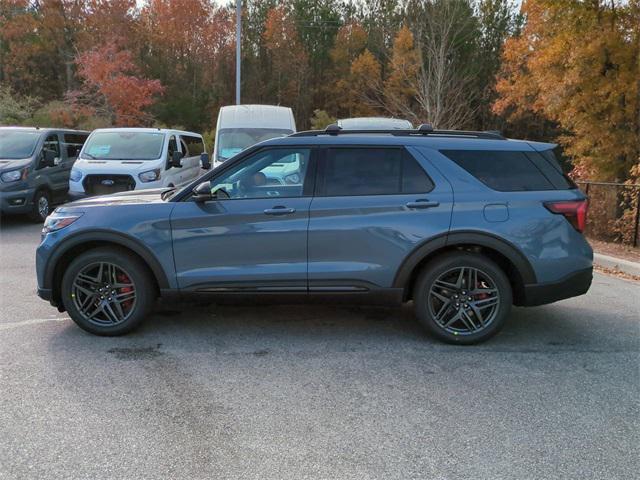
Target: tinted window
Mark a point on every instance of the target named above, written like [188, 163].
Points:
[501, 170]
[269, 173]
[195, 145]
[372, 171]
[551, 170]
[73, 143]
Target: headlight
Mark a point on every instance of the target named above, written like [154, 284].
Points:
[150, 175]
[294, 178]
[14, 175]
[75, 175]
[56, 221]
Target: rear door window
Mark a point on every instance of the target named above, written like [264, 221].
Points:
[371, 171]
[505, 171]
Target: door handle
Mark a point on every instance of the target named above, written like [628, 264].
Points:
[279, 210]
[422, 203]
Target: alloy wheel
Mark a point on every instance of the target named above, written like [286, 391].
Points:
[43, 206]
[104, 294]
[464, 300]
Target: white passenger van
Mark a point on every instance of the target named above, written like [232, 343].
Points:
[121, 159]
[241, 126]
[374, 123]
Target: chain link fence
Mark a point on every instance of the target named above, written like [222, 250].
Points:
[614, 212]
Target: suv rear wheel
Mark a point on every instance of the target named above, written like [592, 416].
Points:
[107, 291]
[462, 298]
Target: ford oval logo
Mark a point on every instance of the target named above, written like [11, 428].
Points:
[107, 182]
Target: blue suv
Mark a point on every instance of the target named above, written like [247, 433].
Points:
[464, 224]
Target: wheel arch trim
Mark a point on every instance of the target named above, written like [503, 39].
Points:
[105, 236]
[466, 237]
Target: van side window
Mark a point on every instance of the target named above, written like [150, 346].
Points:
[73, 143]
[372, 171]
[52, 143]
[195, 145]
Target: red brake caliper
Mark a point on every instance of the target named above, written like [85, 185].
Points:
[122, 278]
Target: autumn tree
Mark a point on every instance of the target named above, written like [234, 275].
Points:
[576, 63]
[112, 87]
[289, 60]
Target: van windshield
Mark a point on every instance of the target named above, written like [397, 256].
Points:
[123, 146]
[16, 144]
[233, 140]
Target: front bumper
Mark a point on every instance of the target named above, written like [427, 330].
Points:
[16, 201]
[572, 285]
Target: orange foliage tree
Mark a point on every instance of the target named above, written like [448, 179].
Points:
[576, 63]
[112, 86]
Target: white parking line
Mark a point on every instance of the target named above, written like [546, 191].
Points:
[24, 323]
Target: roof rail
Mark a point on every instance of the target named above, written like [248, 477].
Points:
[426, 129]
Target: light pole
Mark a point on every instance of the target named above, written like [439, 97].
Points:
[238, 31]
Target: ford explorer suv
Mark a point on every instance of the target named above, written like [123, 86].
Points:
[462, 224]
[35, 164]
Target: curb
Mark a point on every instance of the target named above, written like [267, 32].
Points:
[625, 266]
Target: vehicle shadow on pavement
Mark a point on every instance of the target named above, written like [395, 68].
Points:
[264, 329]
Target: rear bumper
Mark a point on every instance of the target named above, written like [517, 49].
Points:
[575, 284]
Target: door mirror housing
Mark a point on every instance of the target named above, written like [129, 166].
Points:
[204, 161]
[202, 192]
[176, 159]
[49, 158]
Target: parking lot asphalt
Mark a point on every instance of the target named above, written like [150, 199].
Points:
[279, 392]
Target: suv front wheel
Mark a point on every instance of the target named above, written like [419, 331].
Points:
[462, 298]
[107, 291]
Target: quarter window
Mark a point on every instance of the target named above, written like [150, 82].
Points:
[372, 171]
[505, 171]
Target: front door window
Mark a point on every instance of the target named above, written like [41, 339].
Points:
[275, 172]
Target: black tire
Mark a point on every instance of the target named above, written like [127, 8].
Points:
[486, 311]
[41, 206]
[135, 272]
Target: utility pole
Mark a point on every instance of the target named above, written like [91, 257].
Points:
[238, 32]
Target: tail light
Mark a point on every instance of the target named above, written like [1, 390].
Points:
[573, 210]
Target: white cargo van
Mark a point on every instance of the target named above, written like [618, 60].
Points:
[121, 159]
[241, 126]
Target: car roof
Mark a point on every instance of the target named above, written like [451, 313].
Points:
[43, 129]
[436, 142]
[147, 130]
[256, 116]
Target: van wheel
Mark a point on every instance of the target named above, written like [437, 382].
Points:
[41, 206]
[462, 298]
[107, 291]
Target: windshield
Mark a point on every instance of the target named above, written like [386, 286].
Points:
[15, 144]
[124, 146]
[233, 140]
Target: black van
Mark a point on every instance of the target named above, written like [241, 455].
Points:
[34, 168]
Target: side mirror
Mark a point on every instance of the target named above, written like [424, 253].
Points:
[49, 158]
[202, 192]
[175, 160]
